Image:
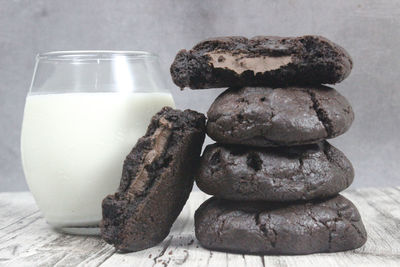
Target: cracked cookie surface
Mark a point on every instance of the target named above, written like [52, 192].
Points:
[262, 60]
[156, 181]
[265, 116]
[278, 228]
[273, 174]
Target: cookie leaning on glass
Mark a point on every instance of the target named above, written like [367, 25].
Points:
[156, 181]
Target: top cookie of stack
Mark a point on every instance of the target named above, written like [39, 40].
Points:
[261, 61]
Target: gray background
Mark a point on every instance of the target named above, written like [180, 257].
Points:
[368, 29]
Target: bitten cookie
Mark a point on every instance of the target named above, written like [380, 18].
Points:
[261, 61]
[274, 174]
[276, 228]
[156, 181]
[264, 116]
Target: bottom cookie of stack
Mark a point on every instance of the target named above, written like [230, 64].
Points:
[256, 227]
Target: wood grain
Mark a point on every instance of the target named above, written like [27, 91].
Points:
[26, 239]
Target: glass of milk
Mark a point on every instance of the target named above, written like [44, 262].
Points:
[83, 114]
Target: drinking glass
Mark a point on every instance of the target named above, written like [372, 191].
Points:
[83, 114]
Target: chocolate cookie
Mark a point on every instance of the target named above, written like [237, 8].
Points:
[277, 228]
[156, 181]
[263, 116]
[261, 61]
[274, 174]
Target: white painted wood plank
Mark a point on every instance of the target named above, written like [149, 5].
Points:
[32, 243]
[15, 206]
[26, 240]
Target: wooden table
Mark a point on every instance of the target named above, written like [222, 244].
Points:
[26, 239]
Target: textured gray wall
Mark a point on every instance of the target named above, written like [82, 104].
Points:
[368, 29]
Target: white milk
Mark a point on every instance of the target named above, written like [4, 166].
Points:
[73, 147]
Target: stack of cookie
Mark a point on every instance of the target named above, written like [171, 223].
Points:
[274, 177]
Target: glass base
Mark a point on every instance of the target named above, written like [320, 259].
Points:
[88, 230]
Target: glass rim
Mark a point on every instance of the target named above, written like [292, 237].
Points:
[90, 55]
